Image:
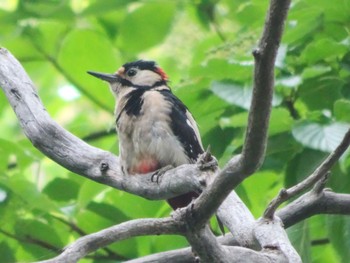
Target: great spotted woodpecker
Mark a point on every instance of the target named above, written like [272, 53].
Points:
[155, 128]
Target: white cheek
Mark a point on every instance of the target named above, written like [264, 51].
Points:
[145, 78]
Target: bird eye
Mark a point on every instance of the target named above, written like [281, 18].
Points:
[131, 72]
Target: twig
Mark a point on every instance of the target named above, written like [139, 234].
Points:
[31, 240]
[322, 170]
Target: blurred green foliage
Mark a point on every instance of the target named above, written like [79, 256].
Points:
[205, 47]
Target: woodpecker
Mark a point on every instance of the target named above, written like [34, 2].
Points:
[155, 128]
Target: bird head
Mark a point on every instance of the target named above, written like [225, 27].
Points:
[137, 74]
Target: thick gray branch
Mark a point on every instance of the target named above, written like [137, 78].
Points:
[271, 235]
[206, 245]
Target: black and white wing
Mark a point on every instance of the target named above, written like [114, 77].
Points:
[184, 126]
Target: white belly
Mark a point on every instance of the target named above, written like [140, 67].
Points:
[149, 137]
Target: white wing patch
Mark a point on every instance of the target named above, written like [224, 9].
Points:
[191, 122]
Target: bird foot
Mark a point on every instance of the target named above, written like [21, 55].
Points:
[156, 176]
[207, 161]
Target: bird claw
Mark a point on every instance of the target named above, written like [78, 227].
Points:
[156, 176]
[207, 161]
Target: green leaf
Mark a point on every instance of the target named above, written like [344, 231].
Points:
[29, 193]
[280, 121]
[261, 188]
[48, 9]
[321, 93]
[236, 94]
[34, 229]
[216, 68]
[303, 22]
[322, 137]
[318, 232]
[105, 6]
[342, 110]
[299, 236]
[84, 50]
[251, 13]
[108, 211]
[7, 254]
[146, 26]
[314, 71]
[323, 50]
[339, 234]
[281, 149]
[61, 189]
[218, 147]
[136, 207]
[302, 165]
[88, 192]
[9, 148]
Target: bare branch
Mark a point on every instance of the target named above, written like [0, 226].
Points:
[183, 255]
[313, 203]
[234, 214]
[286, 194]
[256, 135]
[205, 245]
[84, 245]
[271, 235]
[265, 54]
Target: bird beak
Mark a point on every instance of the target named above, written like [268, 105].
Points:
[107, 77]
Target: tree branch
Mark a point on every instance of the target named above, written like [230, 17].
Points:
[311, 203]
[286, 194]
[271, 235]
[306, 206]
[84, 245]
[83, 159]
[240, 167]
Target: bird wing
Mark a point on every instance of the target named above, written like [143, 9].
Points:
[184, 126]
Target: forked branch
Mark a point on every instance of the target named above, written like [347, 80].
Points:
[311, 180]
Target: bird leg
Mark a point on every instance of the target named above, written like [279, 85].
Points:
[207, 161]
[156, 176]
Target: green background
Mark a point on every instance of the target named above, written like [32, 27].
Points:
[205, 47]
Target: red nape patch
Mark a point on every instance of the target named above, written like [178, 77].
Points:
[145, 166]
[161, 73]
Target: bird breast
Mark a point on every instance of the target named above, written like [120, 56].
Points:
[146, 140]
